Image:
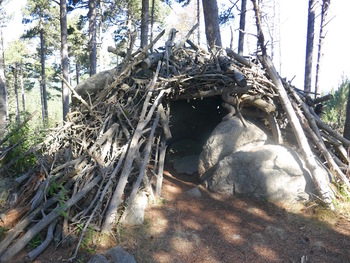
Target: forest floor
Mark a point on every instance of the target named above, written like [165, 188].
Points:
[217, 228]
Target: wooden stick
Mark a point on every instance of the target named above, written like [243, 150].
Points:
[321, 183]
[184, 40]
[25, 239]
[110, 179]
[116, 200]
[142, 168]
[159, 183]
[38, 250]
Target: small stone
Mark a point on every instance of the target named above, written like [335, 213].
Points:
[119, 255]
[194, 192]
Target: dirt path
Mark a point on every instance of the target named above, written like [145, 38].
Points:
[213, 228]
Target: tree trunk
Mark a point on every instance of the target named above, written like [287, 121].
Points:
[322, 36]
[99, 37]
[144, 23]
[77, 70]
[92, 36]
[3, 91]
[22, 87]
[14, 71]
[64, 54]
[347, 120]
[211, 19]
[43, 78]
[242, 27]
[152, 22]
[309, 46]
[199, 24]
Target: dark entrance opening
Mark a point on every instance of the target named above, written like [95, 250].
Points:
[191, 123]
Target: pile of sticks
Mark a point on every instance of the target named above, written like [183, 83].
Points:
[114, 143]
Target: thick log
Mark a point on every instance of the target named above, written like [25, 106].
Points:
[320, 144]
[321, 183]
[152, 60]
[323, 99]
[116, 51]
[164, 120]
[200, 94]
[275, 130]
[258, 102]
[337, 145]
[237, 75]
[333, 133]
[316, 136]
[143, 168]
[38, 250]
[159, 183]
[25, 239]
[239, 58]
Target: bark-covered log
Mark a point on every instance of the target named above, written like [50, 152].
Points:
[25, 239]
[239, 58]
[321, 183]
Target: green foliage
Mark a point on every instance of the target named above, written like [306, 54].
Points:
[3, 231]
[86, 243]
[20, 141]
[335, 110]
[36, 241]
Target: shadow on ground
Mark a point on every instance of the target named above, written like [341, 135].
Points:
[215, 228]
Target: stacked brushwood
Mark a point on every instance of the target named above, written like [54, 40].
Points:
[113, 143]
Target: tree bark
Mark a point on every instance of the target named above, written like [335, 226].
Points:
[92, 36]
[64, 57]
[199, 23]
[242, 27]
[77, 70]
[43, 77]
[347, 120]
[144, 23]
[211, 19]
[14, 71]
[152, 21]
[309, 46]
[3, 91]
[322, 36]
[22, 87]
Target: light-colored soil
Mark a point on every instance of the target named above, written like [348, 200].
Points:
[216, 228]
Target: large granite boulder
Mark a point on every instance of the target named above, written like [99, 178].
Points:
[271, 172]
[228, 137]
[241, 160]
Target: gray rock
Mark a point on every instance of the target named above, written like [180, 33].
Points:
[228, 137]
[186, 164]
[113, 255]
[98, 258]
[119, 255]
[194, 192]
[136, 214]
[95, 83]
[270, 171]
